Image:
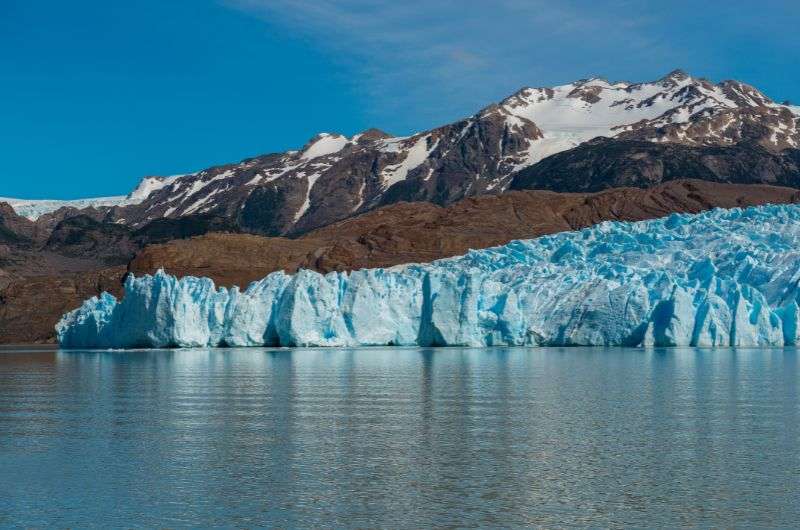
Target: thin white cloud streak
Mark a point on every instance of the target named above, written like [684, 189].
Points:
[422, 63]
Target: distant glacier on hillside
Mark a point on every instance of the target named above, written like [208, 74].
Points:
[35, 208]
[719, 278]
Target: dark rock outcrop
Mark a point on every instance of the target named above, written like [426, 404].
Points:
[15, 231]
[83, 237]
[605, 163]
[167, 229]
[31, 306]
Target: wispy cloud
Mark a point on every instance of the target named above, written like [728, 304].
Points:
[430, 62]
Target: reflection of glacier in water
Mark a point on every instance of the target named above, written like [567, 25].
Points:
[719, 278]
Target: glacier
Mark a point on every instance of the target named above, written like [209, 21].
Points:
[718, 278]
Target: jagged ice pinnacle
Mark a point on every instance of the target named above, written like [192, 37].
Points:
[719, 278]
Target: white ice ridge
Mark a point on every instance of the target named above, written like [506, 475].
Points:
[35, 208]
[719, 278]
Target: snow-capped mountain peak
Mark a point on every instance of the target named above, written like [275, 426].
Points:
[334, 177]
[595, 107]
[675, 108]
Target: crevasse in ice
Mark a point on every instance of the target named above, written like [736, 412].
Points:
[719, 278]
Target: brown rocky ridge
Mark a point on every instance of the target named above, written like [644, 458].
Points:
[423, 232]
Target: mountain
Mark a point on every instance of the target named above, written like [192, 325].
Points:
[34, 209]
[677, 108]
[373, 199]
[334, 177]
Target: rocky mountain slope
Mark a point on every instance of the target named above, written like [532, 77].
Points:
[28, 306]
[604, 163]
[334, 177]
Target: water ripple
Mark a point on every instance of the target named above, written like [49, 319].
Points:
[401, 438]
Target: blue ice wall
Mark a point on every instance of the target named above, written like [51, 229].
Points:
[719, 278]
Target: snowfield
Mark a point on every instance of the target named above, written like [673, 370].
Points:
[719, 278]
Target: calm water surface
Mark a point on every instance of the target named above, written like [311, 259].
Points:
[400, 438]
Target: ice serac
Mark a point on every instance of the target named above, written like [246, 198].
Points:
[719, 278]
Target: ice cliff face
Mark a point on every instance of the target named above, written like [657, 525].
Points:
[720, 278]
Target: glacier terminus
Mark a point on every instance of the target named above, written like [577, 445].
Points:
[718, 278]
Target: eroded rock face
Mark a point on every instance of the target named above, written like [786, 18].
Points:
[30, 307]
[15, 231]
[21, 232]
[83, 237]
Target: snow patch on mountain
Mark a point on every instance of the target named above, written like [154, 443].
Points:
[552, 143]
[416, 154]
[149, 185]
[583, 113]
[324, 144]
[312, 179]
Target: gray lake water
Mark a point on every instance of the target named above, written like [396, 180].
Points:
[400, 438]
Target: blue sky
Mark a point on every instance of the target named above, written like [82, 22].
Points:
[95, 94]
